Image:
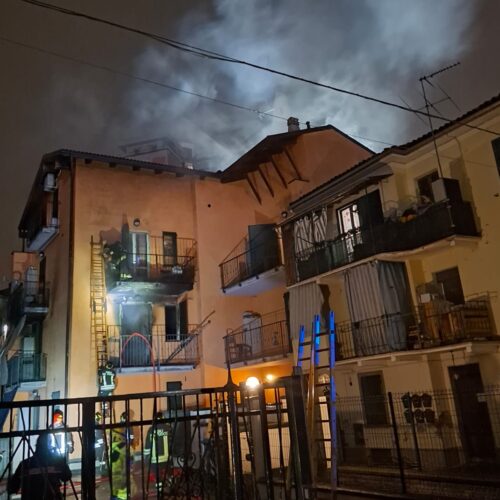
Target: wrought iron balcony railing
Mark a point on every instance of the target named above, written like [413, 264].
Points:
[450, 324]
[439, 221]
[265, 337]
[153, 348]
[250, 258]
[26, 366]
[125, 266]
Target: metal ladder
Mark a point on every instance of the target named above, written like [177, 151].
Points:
[98, 303]
[321, 408]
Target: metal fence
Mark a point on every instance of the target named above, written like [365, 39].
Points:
[252, 443]
[220, 443]
[430, 443]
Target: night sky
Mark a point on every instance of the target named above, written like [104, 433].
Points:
[375, 47]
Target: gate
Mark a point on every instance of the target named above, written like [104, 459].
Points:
[222, 443]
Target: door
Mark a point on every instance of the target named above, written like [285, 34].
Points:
[264, 251]
[169, 250]
[472, 411]
[139, 255]
[135, 351]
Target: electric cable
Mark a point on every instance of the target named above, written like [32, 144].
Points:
[164, 85]
[221, 57]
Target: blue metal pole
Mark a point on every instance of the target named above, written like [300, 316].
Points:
[333, 406]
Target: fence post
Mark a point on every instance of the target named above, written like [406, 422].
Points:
[88, 450]
[299, 447]
[235, 441]
[265, 443]
[396, 442]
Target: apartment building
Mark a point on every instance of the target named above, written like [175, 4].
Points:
[147, 266]
[404, 249]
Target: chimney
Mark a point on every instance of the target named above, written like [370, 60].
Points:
[293, 124]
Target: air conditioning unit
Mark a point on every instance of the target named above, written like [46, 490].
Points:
[49, 182]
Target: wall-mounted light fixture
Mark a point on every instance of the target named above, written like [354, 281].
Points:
[252, 382]
[137, 222]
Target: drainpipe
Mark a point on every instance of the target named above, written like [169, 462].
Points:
[70, 276]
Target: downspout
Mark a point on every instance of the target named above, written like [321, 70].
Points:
[71, 266]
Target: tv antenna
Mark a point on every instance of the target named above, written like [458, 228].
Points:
[427, 79]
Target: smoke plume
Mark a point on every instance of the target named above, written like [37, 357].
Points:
[379, 48]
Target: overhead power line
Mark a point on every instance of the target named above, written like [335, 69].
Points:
[162, 85]
[192, 49]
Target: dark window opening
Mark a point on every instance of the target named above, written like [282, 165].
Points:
[374, 402]
[450, 283]
[169, 249]
[495, 143]
[176, 321]
[424, 185]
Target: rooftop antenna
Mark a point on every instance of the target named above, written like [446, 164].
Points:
[426, 79]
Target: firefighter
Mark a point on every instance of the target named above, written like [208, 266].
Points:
[106, 379]
[121, 464]
[41, 475]
[100, 448]
[61, 443]
[157, 450]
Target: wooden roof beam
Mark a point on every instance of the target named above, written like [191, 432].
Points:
[290, 159]
[254, 190]
[278, 171]
[266, 182]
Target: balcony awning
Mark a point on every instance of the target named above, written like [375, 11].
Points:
[339, 187]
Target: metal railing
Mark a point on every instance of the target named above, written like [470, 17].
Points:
[234, 443]
[419, 330]
[155, 266]
[153, 348]
[439, 221]
[265, 337]
[248, 259]
[25, 366]
[36, 294]
[204, 432]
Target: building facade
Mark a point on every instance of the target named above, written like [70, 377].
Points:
[130, 263]
[404, 249]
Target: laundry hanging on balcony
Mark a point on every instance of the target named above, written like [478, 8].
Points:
[309, 230]
[379, 303]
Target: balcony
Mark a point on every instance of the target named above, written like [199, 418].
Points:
[438, 221]
[430, 327]
[28, 368]
[154, 349]
[263, 339]
[152, 275]
[254, 265]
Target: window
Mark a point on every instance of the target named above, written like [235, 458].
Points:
[424, 185]
[349, 218]
[495, 143]
[373, 397]
[451, 285]
[176, 321]
[169, 249]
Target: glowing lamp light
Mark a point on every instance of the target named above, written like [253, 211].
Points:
[252, 382]
[270, 377]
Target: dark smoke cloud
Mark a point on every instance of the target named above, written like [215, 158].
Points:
[375, 47]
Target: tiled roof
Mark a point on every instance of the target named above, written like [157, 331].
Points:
[401, 149]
